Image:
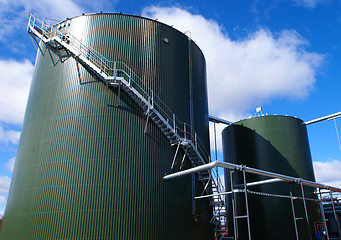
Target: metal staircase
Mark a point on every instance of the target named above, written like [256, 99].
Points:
[118, 74]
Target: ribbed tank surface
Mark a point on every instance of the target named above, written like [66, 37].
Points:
[277, 144]
[85, 167]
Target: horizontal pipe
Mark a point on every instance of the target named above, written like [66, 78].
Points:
[252, 184]
[232, 166]
[329, 117]
[218, 194]
[219, 120]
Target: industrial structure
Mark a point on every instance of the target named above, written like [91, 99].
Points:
[276, 144]
[115, 145]
[114, 99]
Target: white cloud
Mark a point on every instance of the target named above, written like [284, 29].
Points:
[96, 6]
[9, 136]
[52, 9]
[46, 8]
[2, 212]
[3, 200]
[4, 184]
[10, 164]
[14, 14]
[328, 172]
[309, 3]
[15, 82]
[246, 73]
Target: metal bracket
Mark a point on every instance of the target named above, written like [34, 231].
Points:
[183, 159]
[176, 152]
[36, 47]
[54, 63]
[145, 126]
[80, 77]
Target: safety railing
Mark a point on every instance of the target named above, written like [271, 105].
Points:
[109, 69]
[116, 68]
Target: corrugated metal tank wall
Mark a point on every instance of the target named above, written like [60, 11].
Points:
[86, 170]
[277, 144]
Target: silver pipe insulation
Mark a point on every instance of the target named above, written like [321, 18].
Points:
[214, 164]
[219, 120]
[252, 184]
[329, 117]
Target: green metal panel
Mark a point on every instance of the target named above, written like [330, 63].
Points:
[278, 144]
[87, 170]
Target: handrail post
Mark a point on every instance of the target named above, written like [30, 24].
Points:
[42, 27]
[105, 67]
[185, 131]
[80, 47]
[148, 102]
[101, 64]
[115, 71]
[174, 126]
[129, 77]
[195, 140]
[152, 100]
[29, 22]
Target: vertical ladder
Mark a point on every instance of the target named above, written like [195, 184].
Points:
[236, 217]
[305, 212]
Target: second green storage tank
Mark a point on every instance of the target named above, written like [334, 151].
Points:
[277, 144]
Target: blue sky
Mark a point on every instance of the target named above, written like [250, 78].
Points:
[283, 55]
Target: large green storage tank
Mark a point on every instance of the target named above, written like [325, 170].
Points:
[85, 168]
[277, 144]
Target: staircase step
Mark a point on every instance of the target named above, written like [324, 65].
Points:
[195, 161]
[204, 174]
[203, 179]
[216, 203]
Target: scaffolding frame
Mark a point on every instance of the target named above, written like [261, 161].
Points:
[273, 177]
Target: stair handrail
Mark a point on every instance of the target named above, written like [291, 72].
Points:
[115, 68]
[112, 68]
[106, 66]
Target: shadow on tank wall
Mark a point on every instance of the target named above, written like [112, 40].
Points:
[270, 217]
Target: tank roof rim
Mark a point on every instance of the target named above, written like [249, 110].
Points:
[263, 117]
[129, 15]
